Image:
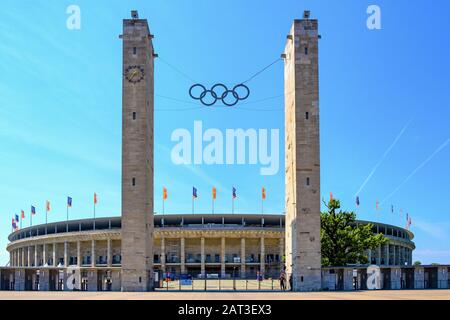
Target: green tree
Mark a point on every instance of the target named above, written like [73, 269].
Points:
[417, 263]
[343, 241]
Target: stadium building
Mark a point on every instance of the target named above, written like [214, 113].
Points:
[228, 246]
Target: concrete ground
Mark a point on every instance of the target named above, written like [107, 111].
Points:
[176, 295]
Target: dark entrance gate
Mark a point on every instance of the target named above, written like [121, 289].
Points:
[386, 274]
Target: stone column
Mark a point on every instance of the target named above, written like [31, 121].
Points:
[163, 255]
[93, 255]
[66, 254]
[282, 251]
[302, 155]
[28, 256]
[369, 255]
[19, 280]
[442, 278]
[242, 257]
[263, 258]
[22, 261]
[396, 277]
[36, 256]
[92, 280]
[419, 277]
[379, 256]
[109, 258]
[44, 254]
[222, 257]
[55, 247]
[183, 256]
[78, 254]
[387, 254]
[202, 251]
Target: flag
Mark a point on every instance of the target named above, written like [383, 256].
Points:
[392, 208]
[378, 205]
[69, 202]
[263, 193]
[47, 206]
[194, 193]
[33, 210]
[164, 194]
[17, 218]
[14, 226]
[95, 198]
[214, 193]
[23, 214]
[331, 196]
[357, 201]
[234, 195]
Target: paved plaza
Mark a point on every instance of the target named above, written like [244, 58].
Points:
[186, 295]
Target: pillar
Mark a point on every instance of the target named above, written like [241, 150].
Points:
[282, 251]
[55, 246]
[242, 257]
[44, 254]
[36, 256]
[386, 249]
[28, 256]
[22, 259]
[19, 280]
[92, 280]
[183, 255]
[263, 258]
[419, 277]
[302, 155]
[369, 256]
[379, 256]
[222, 257]
[163, 255]
[202, 252]
[443, 278]
[93, 254]
[137, 155]
[79, 254]
[66, 254]
[109, 254]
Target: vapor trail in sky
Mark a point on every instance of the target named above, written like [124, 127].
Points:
[442, 146]
[383, 157]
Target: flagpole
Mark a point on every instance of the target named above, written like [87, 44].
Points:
[232, 205]
[94, 215]
[213, 205]
[46, 219]
[192, 204]
[163, 207]
[67, 222]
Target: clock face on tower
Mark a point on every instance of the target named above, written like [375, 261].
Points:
[134, 74]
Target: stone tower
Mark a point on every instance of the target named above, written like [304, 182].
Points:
[302, 155]
[137, 155]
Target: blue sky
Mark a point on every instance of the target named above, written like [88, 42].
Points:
[60, 106]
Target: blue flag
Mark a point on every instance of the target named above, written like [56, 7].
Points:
[234, 193]
[194, 192]
[33, 210]
[17, 218]
[69, 202]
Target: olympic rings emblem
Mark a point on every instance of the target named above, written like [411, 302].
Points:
[219, 91]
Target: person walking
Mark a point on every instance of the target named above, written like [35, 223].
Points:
[283, 281]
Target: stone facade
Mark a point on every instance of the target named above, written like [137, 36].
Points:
[137, 155]
[302, 155]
